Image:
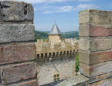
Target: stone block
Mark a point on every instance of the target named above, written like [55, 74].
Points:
[84, 43]
[97, 69]
[104, 76]
[17, 53]
[17, 73]
[100, 44]
[106, 82]
[16, 32]
[95, 44]
[95, 57]
[95, 17]
[26, 83]
[84, 30]
[95, 31]
[12, 11]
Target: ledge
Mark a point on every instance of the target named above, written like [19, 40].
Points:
[78, 80]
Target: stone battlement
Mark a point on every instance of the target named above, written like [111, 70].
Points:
[47, 51]
[16, 12]
[46, 47]
[51, 56]
[17, 47]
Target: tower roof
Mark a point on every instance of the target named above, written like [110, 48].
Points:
[55, 30]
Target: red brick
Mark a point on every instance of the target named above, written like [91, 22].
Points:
[95, 30]
[17, 53]
[99, 31]
[100, 57]
[18, 73]
[95, 58]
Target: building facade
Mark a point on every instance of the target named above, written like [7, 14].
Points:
[55, 57]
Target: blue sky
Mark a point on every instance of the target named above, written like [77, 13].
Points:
[64, 12]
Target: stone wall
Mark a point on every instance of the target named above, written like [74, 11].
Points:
[17, 49]
[65, 68]
[96, 46]
[55, 58]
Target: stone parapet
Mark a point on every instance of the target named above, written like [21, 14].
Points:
[17, 47]
[95, 44]
[95, 17]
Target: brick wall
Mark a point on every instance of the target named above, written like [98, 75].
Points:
[17, 49]
[96, 46]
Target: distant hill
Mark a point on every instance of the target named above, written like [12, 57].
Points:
[71, 34]
[44, 35]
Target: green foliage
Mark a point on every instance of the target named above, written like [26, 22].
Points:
[41, 35]
[72, 34]
[44, 35]
[77, 63]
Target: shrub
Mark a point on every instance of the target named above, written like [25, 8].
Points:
[77, 63]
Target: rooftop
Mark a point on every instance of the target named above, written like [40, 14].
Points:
[55, 30]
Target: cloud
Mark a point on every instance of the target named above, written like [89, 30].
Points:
[86, 6]
[44, 1]
[64, 9]
[56, 9]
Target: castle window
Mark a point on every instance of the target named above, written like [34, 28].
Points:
[37, 55]
[45, 54]
[70, 52]
[53, 53]
[56, 77]
[64, 52]
[60, 53]
[67, 52]
[49, 54]
[41, 54]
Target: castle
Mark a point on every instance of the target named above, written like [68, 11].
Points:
[55, 57]
[52, 62]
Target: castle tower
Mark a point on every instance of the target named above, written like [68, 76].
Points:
[55, 34]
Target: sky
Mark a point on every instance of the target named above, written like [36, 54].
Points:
[63, 12]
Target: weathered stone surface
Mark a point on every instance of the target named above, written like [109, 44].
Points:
[15, 11]
[95, 17]
[16, 32]
[101, 44]
[95, 31]
[106, 82]
[84, 43]
[17, 53]
[84, 30]
[65, 68]
[19, 72]
[104, 76]
[97, 69]
[78, 80]
[26, 83]
[95, 44]
[95, 57]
